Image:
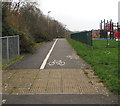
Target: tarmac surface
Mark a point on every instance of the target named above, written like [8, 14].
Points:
[66, 79]
[33, 61]
[63, 56]
[62, 99]
[63, 53]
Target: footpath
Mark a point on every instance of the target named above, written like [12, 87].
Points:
[65, 79]
[67, 85]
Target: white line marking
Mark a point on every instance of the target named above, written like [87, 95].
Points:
[48, 55]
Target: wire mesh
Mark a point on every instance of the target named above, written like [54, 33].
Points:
[10, 47]
[84, 37]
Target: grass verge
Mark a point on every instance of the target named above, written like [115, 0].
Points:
[12, 61]
[38, 44]
[103, 60]
[35, 47]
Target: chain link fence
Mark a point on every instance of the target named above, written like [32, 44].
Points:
[10, 47]
[84, 37]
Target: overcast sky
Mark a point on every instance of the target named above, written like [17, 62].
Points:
[81, 15]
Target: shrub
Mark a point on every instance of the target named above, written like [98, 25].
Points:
[7, 30]
[26, 43]
[41, 37]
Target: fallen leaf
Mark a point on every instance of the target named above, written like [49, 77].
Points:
[4, 101]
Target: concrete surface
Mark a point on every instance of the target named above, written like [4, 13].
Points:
[50, 81]
[53, 86]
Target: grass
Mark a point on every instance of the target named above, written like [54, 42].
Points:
[38, 44]
[103, 60]
[35, 47]
[12, 61]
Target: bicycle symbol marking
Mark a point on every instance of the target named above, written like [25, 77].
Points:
[59, 62]
[70, 57]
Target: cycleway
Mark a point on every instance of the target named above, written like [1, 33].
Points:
[62, 56]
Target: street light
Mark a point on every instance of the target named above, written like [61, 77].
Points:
[48, 20]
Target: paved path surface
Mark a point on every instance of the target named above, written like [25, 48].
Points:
[61, 99]
[20, 86]
[65, 79]
[33, 61]
[50, 81]
[63, 54]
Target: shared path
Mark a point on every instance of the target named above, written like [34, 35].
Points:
[54, 74]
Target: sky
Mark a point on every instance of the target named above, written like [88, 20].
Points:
[79, 15]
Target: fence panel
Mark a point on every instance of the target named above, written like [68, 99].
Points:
[10, 47]
[84, 37]
[4, 49]
[103, 33]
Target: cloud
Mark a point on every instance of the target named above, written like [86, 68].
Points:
[81, 14]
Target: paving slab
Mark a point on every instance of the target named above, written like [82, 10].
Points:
[52, 81]
[55, 86]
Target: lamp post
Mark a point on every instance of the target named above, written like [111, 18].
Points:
[48, 20]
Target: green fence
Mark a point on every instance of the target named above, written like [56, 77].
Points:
[84, 37]
[103, 33]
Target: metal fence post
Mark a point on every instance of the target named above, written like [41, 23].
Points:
[7, 49]
[18, 46]
[11, 47]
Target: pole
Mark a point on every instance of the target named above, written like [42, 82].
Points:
[101, 29]
[7, 49]
[101, 24]
[48, 21]
[107, 32]
[18, 46]
[104, 24]
[117, 27]
[111, 29]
